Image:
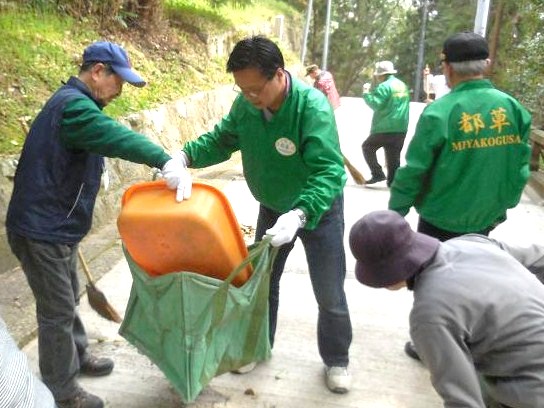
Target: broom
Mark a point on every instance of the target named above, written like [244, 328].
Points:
[97, 299]
[357, 176]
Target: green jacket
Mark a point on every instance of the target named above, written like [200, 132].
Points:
[85, 127]
[290, 161]
[390, 102]
[468, 161]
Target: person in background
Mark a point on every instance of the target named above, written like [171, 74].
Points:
[19, 387]
[50, 211]
[439, 86]
[286, 133]
[435, 84]
[477, 319]
[468, 161]
[390, 101]
[324, 81]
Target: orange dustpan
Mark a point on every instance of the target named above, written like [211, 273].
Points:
[199, 235]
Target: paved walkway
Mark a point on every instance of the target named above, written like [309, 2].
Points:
[383, 377]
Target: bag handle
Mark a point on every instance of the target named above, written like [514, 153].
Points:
[253, 253]
[218, 308]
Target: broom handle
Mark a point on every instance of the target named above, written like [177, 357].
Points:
[85, 266]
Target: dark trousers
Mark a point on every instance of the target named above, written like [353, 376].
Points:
[51, 272]
[327, 266]
[392, 145]
[427, 228]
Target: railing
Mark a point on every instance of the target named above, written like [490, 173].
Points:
[537, 161]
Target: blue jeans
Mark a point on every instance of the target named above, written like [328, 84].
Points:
[51, 272]
[324, 247]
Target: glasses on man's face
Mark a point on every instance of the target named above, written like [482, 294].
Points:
[251, 93]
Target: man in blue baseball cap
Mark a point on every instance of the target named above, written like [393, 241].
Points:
[116, 57]
[51, 207]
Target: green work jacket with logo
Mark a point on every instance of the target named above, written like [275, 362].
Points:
[468, 161]
[290, 161]
[390, 102]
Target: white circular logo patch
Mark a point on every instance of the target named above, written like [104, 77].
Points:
[285, 147]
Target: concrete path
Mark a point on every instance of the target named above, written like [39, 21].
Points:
[383, 377]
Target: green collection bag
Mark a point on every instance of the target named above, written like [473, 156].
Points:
[194, 327]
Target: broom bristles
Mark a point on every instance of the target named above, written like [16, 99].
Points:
[355, 174]
[100, 304]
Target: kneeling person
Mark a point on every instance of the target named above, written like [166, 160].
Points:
[478, 316]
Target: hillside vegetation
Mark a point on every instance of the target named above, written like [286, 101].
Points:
[42, 46]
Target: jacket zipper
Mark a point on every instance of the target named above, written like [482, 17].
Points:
[77, 199]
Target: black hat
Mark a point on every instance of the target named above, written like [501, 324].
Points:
[465, 46]
[387, 250]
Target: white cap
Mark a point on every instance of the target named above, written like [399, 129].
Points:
[384, 67]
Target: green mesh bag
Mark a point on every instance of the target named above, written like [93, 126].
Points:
[194, 327]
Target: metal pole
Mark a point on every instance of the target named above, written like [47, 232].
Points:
[480, 22]
[326, 41]
[420, 53]
[306, 31]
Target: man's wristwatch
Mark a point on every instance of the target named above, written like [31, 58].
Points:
[302, 215]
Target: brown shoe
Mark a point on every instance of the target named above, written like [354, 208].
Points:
[95, 366]
[82, 399]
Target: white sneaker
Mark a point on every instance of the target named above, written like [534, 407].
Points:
[245, 369]
[338, 379]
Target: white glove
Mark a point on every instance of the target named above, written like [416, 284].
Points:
[366, 87]
[285, 228]
[177, 176]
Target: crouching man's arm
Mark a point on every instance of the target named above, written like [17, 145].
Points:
[530, 256]
[449, 361]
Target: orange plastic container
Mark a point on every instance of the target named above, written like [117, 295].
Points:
[200, 234]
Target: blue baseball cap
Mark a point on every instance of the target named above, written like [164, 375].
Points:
[116, 57]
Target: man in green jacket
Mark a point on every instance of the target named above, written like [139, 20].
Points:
[390, 101]
[51, 207]
[468, 161]
[286, 133]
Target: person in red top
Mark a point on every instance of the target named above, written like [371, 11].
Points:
[324, 81]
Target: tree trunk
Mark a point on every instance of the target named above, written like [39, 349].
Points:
[495, 34]
[149, 12]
